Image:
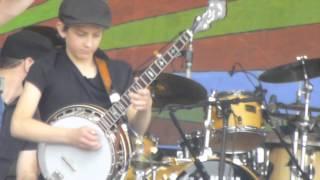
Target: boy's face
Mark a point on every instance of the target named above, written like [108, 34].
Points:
[82, 41]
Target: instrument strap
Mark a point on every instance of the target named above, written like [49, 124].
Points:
[104, 73]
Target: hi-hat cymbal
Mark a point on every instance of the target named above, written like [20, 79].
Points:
[296, 107]
[291, 72]
[173, 89]
[313, 139]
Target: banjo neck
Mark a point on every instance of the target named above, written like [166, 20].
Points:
[161, 61]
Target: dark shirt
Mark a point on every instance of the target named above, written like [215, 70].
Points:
[10, 146]
[1, 111]
[62, 84]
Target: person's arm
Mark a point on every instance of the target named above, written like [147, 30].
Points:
[140, 110]
[24, 126]
[27, 165]
[11, 8]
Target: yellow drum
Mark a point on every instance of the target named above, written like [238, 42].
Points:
[279, 159]
[245, 124]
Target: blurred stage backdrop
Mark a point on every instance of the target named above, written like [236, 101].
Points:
[258, 34]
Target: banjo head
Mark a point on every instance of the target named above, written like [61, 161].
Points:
[60, 161]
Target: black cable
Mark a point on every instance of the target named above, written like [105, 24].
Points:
[246, 73]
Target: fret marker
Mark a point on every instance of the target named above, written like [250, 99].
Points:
[161, 63]
[151, 74]
[114, 97]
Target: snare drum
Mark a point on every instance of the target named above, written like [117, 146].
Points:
[245, 124]
[185, 171]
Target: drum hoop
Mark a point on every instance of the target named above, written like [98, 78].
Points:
[224, 94]
[248, 129]
[227, 161]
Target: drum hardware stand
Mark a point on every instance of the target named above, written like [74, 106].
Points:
[304, 125]
[138, 156]
[207, 151]
[154, 172]
[200, 170]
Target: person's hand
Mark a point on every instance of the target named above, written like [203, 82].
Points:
[84, 138]
[141, 100]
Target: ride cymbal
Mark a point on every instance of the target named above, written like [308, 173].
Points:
[173, 89]
[291, 72]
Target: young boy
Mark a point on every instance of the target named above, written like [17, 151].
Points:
[70, 76]
[19, 52]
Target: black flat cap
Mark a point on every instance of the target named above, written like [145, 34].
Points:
[94, 12]
[23, 44]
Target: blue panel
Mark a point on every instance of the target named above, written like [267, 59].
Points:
[285, 92]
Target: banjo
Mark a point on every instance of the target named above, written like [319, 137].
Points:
[65, 162]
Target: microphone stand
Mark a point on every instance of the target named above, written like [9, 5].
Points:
[225, 110]
[198, 164]
[189, 59]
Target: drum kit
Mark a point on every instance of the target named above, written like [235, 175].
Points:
[241, 138]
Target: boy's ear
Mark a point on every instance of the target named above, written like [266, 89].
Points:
[28, 63]
[60, 28]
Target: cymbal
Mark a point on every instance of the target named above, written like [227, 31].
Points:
[291, 72]
[313, 139]
[173, 89]
[297, 107]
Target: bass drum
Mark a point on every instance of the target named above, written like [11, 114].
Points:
[186, 171]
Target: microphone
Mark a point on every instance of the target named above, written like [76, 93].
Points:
[272, 105]
[259, 91]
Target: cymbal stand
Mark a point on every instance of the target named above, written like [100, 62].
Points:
[189, 59]
[304, 125]
[207, 151]
[294, 170]
[138, 155]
